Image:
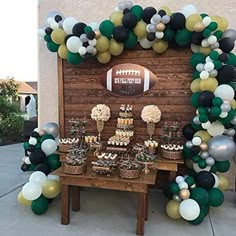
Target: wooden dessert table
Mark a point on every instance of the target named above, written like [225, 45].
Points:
[114, 182]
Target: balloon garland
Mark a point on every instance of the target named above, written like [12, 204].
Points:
[211, 134]
[41, 188]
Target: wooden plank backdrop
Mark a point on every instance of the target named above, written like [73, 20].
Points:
[80, 90]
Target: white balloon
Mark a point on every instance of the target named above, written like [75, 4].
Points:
[198, 169]
[32, 141]
[212, 39]
[50, 20]
[216, 128]
[49, 146]
[223, 114]
[54, 25]
[36, 130]
[208, 59]
[200, 67]
[213, 73]
[73, 44]
[204, 74]
[204, 43]
[145, 43]
[216, 181]
[92, 42]
[209, 66]
[206, 21]
[41, 33]
[68, 24]
[159, 35]
[225, 92]
[183, 185]
[189, 10]
[27, 161]
[179, 179]
[31, 191]
[189, 209]
[38, 177]
[206, 125]
[196, 141]
[94, 25]
[53, 177]
[82, 51]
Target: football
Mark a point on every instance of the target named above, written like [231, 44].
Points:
[128, 80]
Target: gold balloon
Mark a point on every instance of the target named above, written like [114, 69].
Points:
[172, 209]
[160, 26]
[195, 48]
[51, 188]
[102, 44]
[166, 9]
[192, 20]
[225, 24]
[209, 84]
[184, 194]
[58, 36]
[205, 51]
[22, 200]
[63, 51]
[221, 22]
[188, 163]
[203, 134]
[104, 57]
[199, 27]
[223, 182]
[204, 146]
[140, 29]
[195, 85]
[160, 46]
[97, 34]
[233, 104]
[115, 48]
[116, 18]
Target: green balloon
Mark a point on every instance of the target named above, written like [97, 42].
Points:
[106, 28]
[196, 75]
[74, 58]
[202, 164]
[232, 59]
[40, 205]
[202, 110]
[47, 38]
[53, 161]
[197, 58]
[132, 40]
[218, 34]
[217, 64]
[25, 145]
[174, 188]
[190, 180]
[222, 166]
[169, 34]
[183, 37]
[213, 169]
[46, 136]
[212, 26]
[217, 101]
[232, 84]
[203, 118]
[215, 111]
[187, 152]
[216, 197]
[194, 99]
[38, 146]
[206, 32]
[137, 11]
[196, 158]
[200, 195]
[205, 209]
[199, 219]
[88, 29]
[53, 47]
[214, 55]
[227, 119]
[196, 127]
[31, 167]
[203, 15]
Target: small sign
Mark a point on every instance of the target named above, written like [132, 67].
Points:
[128, 80]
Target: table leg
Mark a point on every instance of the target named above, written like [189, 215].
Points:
[75, 198]
[65, 204]
[172, 175]
[141, 213]
[146, 206]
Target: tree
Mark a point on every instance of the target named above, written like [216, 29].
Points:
[9, 89]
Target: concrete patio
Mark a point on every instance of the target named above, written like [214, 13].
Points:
[103, 212]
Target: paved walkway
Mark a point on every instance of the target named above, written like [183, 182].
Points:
[103, 212]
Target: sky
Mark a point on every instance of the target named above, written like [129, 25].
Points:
[19, 39]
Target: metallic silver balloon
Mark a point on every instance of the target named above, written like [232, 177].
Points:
[51, 128]
[229, 33]
[196, 120]
[204, 155]
[210, 161]
[230, 132]
[233, 121]
[189, 144]
[221, 148]
[225, 107]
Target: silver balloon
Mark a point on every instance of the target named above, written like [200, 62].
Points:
[229, 33]
[221, 148]
[189, 144]
[204, 155]
[51, 128]
[230, 132]
[210, 161]
[196, 120]
[225, 107]
[176, 198]
[233, 121]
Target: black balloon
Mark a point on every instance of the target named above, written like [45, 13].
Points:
[44, 167]
[177, 21]
[223, 57]
[36, 157]
[86, 44]
[91, 35]
[147, 14]
[48, 30]
[58, 18]
[205, 98]
[129, 20]
[226, 44]
[120, 34]
[78, 29]
[162, 13]
[126, 10]
[35, 134]
[188, 131]
[24, 167]
[67, 37]
[195, 150]
[151, 36]
[31, 148]
[226, 74]
[205, 179]
[197, 38]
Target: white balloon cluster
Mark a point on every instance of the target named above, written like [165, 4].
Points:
[123, 5]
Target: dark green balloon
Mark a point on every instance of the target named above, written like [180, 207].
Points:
[40, 205]
[216, 197]
[53, 161]
[232, 59]
[206, 32]
[227, 119]
[196, 75]
[217, 101]
[74, 58]
[202, 110]
[38, 146]
[200, 195]
[190, 180]
[199, 219]
[217, 64]
[212, 26]
[47, 38]
[214, 55]
[202, 164]
[203, 118]
[197, 58]
[31, 167]
[203, 15]
[196, 127]
[137, 11]
[106, 28]
[25, 145]
[194, 99]
[169, 34]
[222, 166]
[132, 40]
[187, 153]
[53, 47]
[174, 188]
[183, 37]
[215, 111]
[46, 136]
[87, 29]
[218, 34]
[205, 209]
[196, 158]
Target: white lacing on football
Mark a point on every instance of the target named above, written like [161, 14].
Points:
[128, 72]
